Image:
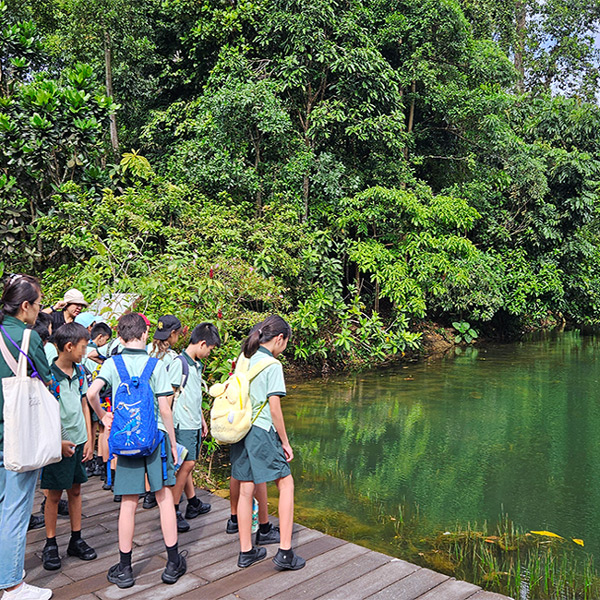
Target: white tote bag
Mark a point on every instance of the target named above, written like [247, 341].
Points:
[32, 433]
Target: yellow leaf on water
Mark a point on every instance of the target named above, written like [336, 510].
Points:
[548, 534]
[578, 541]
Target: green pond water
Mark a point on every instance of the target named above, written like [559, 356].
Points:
[506, 429]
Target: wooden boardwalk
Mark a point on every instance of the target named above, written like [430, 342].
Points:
[335, 569]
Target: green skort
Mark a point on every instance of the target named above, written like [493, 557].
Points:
[130, 472]
[62, 475]
[192, 440]
[259, 457]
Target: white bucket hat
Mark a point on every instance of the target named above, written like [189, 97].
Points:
[74, 296]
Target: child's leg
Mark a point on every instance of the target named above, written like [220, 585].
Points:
[127, 522]
[181, 480]
[244, 510]
[286, 510]
[168, 519]
[189, 489]
[234, 495]
[51, 511]
[260, 493]
[74, 498]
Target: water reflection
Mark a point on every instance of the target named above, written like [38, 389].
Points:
[512, 429]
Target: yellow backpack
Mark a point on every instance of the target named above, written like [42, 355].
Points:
[231, 413]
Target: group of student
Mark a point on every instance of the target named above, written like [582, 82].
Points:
[71, 351]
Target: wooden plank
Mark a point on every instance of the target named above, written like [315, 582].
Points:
[373, 582]
[160, 591]
[333, 579]
[411, 587]
[283, 580]
[451, 590]
[482, 595]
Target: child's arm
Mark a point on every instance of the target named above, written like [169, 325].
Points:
[93, 355]
[164, 405]
[88, 448]
[93, 396]
[278, 422]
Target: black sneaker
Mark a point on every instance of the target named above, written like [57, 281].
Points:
[182, 524]
[149, 500]
[63, 507]
[89, 467]
[245, 559]
[98, 469]
[36, 522]
[173, 571]
[50, 558]
[231, 526]
[106, 486]
[117, 498]
[286, 560]
[201, 508]
[271, 537]
[121, 576]
[80, 549]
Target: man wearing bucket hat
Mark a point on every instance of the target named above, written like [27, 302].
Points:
[66, 310]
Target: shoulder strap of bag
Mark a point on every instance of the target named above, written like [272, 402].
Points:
[82, 376]
[9, 359]
[147, 372]
[22, 366]
[260, 366]
[121, 368]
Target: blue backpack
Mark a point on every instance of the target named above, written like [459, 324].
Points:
[134, 430]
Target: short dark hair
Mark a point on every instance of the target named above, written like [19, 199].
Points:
[42, 326]
[100, 329]
[131, 327]
[70, 332]
[206, 332]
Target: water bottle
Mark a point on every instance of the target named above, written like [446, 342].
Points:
[254, 515]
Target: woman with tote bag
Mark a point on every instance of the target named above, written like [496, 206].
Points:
[19, 307]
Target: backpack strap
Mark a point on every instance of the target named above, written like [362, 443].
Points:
[121, 368]
[185, 371]
[148, 369]
[82, 376]
[260, 366]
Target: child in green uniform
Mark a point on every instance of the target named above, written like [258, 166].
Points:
[69, 385]
[131, 470]
[263, 455]
[190, 426]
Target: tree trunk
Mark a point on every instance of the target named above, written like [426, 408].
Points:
[521, 12]
[114, 139]
[377, 296]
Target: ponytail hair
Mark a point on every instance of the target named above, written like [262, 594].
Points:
[18, 289]
[263, 332]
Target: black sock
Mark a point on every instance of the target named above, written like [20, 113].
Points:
[264, 527]
[285, 555]
[112, 475]
[125, 559]
[99, 461]
[173, 553]
[177, 508]
[193, 501]
[51, 541]
[75, 535]
[250, 551]
[234, 518]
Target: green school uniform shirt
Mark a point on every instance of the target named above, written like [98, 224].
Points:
[167, 358]
[51, 352]
[72, 421]
[15, 329]
[269, 382]
[90, 365]
[135, 360]
[187, 413]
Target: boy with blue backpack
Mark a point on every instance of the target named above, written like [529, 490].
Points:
[185, 372]
[143, 439]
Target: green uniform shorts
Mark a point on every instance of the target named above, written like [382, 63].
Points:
[130, 472]
[258, 457]
[62, 475]
[192, 440]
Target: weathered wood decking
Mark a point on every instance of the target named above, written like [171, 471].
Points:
[335, 569]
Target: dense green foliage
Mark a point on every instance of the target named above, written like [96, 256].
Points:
[359, 167]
